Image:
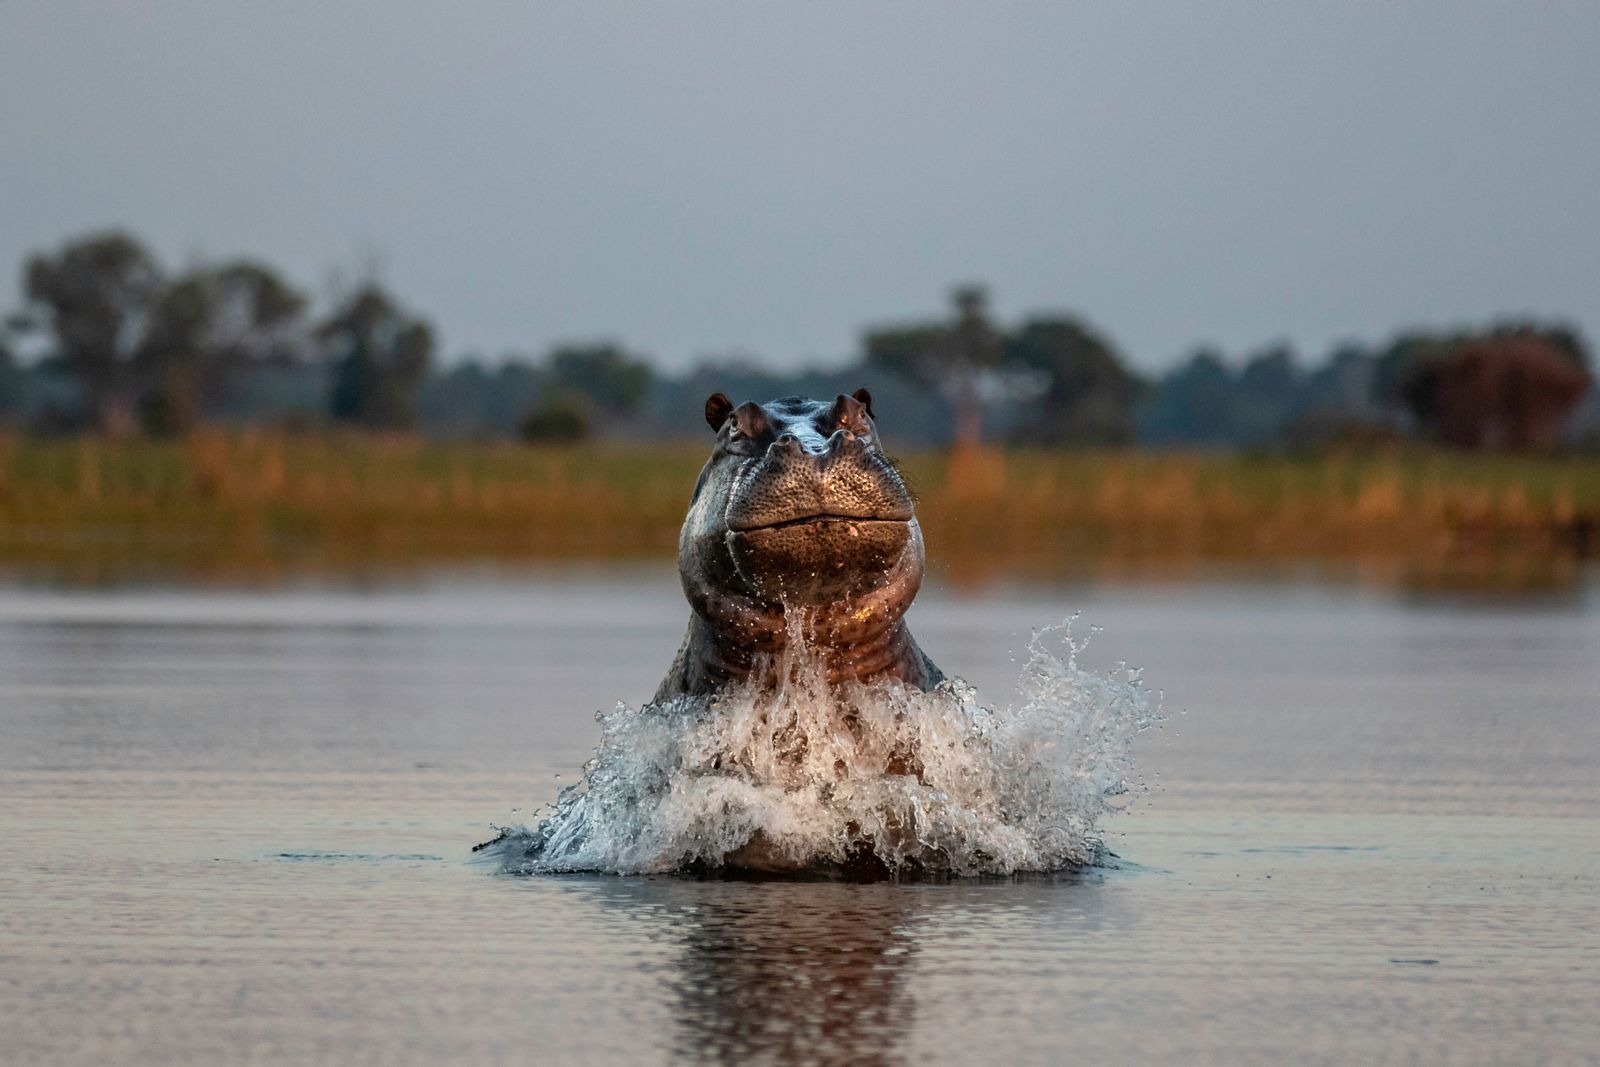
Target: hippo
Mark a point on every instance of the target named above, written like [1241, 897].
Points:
[798, 514]
[799, 529]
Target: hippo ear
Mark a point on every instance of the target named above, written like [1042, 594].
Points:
[718, 408]
[866, 401]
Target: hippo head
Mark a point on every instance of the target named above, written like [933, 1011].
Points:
[798, 504]
[798, 517]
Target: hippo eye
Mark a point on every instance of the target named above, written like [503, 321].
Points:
[738, 441]
[855, 428]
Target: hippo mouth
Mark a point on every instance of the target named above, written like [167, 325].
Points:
[819, 558]
[815, 520]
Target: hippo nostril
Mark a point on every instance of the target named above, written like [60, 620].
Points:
[803, 444]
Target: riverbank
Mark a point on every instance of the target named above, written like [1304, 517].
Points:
[242, 503]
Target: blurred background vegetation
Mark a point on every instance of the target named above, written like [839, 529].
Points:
[219, 419]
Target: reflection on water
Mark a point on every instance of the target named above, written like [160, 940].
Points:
[821, 972]
[791, 972]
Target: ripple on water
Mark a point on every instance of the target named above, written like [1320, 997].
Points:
[319, 856]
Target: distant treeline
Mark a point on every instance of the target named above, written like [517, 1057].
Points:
[107, 340]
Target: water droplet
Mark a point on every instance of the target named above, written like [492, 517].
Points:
[827, 770]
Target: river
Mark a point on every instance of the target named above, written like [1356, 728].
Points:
[237, 827]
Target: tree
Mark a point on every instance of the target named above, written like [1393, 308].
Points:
[473, 399]
[379, 355]
[951, 358]
[96, 293]
[207, 327]
[1404, 359]
[1268, 397]
[1088, 394]
[1563, 338]
[562, 417]
[1508, 386]
[1190, 403]
[13, 379]
[1343, 386]
[1504, 390]
[608, 376]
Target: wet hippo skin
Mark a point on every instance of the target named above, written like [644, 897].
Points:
[799, 524]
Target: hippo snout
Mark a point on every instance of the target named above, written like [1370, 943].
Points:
[808, 477]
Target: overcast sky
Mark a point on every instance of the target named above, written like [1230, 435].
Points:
[769, 178]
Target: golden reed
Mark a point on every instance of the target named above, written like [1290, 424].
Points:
[237, 502]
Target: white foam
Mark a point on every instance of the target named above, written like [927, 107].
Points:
[807, 772]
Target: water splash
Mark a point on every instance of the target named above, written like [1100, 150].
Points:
[808, 776]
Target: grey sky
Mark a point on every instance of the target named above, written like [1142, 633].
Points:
[769, 178]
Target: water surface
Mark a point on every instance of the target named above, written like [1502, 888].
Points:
[236, 829]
